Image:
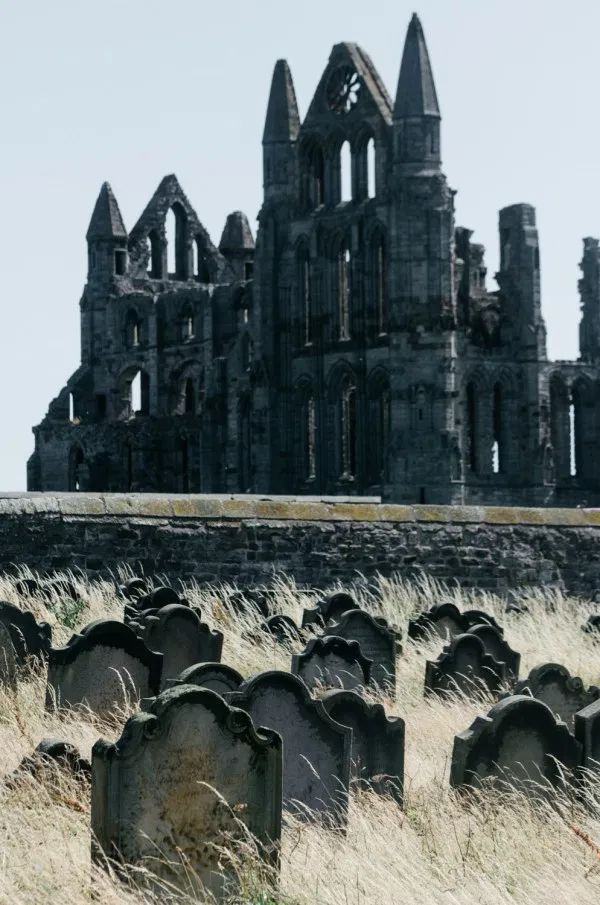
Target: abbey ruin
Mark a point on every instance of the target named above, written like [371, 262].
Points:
[355, 348]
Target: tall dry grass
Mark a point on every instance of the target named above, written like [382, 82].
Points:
[441, 848]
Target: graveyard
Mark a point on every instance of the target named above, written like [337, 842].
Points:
[381, 739]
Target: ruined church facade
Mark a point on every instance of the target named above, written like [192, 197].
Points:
[355, 348]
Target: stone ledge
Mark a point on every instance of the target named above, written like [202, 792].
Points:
[256, 508]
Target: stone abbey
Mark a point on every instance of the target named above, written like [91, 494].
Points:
[353, 349]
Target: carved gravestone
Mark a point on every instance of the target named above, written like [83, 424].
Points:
[519, 742]
[330, 609]
[30, 637]
[217, 677]
[102, 668]
[333, 662]
[377, 643]
[464, 666]
[587, 733]
[178, 783]
[498, 648]
[564, 694]
[443, 619]
[377, 741]
[183, 640]
[316, 749]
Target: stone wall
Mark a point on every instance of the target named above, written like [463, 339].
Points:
[316, 540]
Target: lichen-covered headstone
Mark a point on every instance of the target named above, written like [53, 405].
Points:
[564, 694]
[377, 642]
[519, 742]
[102, 668]
[218, 677]
[332, 661]
[464, 666]
[186, 778]
[316, 749]
[587, 733]
[377, 741]
[182, 638]
[498, 647]
[443, 619]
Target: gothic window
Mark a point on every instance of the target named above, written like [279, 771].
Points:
[176, 235]
[187, 323]
[137, 388]
[347, 429]
[561, 427]
[184, 464]
[155, 265]
[189, 397]
[307, 429]
[343, 291]
[201, 264]
[120, 262]
[371, 188]
[133, 329]
[472, 426]
[304, 298]
[380, 287]
[313, 176]
[345, 172]
[379, 428]
[498, 447]
[343, 89]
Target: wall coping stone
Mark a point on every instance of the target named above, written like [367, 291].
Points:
[254, 507]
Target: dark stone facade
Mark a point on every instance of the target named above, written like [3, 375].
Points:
[249, 539]
[354, 350]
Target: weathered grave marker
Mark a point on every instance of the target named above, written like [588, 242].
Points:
[217, 677]
[316, 749]
[519, 742]
[180, 782]
[445, 619]
[332, 661]
[330, 609]
[183, 640]
[498, 648]
[464, 666]
[30, 637]
[587, 733]
[377, 642]
[377, 741]
[563, 693]
[281, 627]
[101, 668]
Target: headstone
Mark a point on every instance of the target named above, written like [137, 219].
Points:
[377, 741]
[480, 617]
[133, 588]
[443, 619]
[316, 749]
[217, 677]
[178, 783]
[377, 642]
[251, 601]
[464, 666]
[57, 752]
[102, 668]
[332, 661]
[183, 640]
[587, 733]
[563, 693]
[30, 638]
[10, 658]
[282, 628]
[498, 647]
[330, 609]
[519, 742]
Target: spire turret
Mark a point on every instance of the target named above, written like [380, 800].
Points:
[106, 238]
[237, 245]
[416, 110]
[283, 121]
[106, 222]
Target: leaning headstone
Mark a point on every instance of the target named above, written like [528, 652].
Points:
[333, 662]
[587, 733]
[330, 609]
[316, 749]
[519, 742]
[563, 693]
[102, 668]
[183, 640]
[464, 666]
[186, 778]
[377, 642]
[35, 637]
[498, 647]
[217, 677]
[443, 619]
[377, 741]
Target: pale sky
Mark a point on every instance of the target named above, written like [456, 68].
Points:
[130, 90]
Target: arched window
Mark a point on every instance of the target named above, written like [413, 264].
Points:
[155, 264]
[345, 172]
[347, 429]
[380, 284]
[71, 407]
[379, 428]
[187, 323]
[313, 175]
[344, 262]
[371, 188]
[304, 298]
[133, 329]
[498, 446]
[307, 430]
[189, 397]
[137, 388]
[472, 426]
[175, 227]
[562, 424]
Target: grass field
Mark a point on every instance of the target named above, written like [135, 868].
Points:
[441, 848]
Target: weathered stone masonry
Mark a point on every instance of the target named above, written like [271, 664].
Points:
[317, 541]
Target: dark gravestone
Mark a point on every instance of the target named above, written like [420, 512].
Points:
[332, 661]
[377, 642]
[12, 655]
[183, 640]
[377, 741]
[102, 668]
[519, 742]
[55, 752]
[330, 609]
[282, 628]
[316, 749]
[176, 786]
[464, 666]
[250, 601]
[217, 677]
[443, 619]
[592, 626]
[587, 733]
[498, 648]
[564, 694]
[133, 589]
[480, 617]
[30, 638]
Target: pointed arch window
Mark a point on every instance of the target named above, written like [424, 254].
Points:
[344, 263]
[176, 236]
[379, 428]
[498, 445]
[345, 172]
[155, 263]
[380, 283]
[347, 429]
[305, 313]
[133, 329]
[187, 323]
[371, 171]
[307, 428]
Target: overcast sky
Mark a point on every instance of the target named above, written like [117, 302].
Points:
[130, 90]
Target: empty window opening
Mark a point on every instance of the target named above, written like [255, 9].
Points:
[248, 270]
[245, 454]
[344, 263]
[132, 329]
[345, 172]
[71, 407]
[379, 433]
[187, 325]
[195, 263]
[175, 230]
[316, 167]
[572, 439]
[120, 262]
[136, 393]
[139, 394]
[155, 264]
[371, 169]
[471, 427]
[189, 396]
[497, 425]
[422, 495]
[348, 430]
[171, 230]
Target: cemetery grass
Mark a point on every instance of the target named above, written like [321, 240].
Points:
[442, 847]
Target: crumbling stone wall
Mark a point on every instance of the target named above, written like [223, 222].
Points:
[317, 541]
